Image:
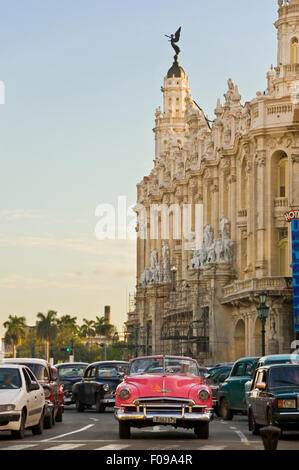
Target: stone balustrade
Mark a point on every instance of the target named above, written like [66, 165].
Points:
[268, 284]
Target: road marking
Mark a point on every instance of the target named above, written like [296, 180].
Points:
[65, 447]
[19, 447]
[113, 447]
[94, 419]
[68, 433]
[232, 427]
[243, 438]
[212, 448]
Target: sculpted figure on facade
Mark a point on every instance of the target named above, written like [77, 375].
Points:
[165, 262]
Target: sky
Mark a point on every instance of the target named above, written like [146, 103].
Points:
[82, 81]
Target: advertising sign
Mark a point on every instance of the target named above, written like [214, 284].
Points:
[295, 254]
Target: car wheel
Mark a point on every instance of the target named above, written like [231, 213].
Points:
[21, 432]
[124, 430]
[100, 408]
[37, 430]
[79, 406]
[48, 421]
[58, 418]
[225, 411]
[252, 426]
[202, 431]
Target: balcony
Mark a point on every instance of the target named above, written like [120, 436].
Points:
[281, 203]
[251, 287]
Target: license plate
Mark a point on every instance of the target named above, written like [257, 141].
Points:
[164, 419]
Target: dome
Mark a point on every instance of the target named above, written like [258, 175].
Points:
[176, 71]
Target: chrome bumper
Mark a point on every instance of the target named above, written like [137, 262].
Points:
[121, 415]
[108, 401]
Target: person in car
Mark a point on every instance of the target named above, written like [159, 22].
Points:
[8, 381]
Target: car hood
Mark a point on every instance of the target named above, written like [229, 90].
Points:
[155, 385]
[9, 396]
[285, 392]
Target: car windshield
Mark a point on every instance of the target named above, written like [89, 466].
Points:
[167, 365]
[71, 371]
[37, 369]
[284, 376]
[10, 378]
[112, 370]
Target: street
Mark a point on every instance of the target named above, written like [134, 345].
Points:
[94, 431]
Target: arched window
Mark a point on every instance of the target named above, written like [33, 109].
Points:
[294, 51]
[283, 176]
[283, 250]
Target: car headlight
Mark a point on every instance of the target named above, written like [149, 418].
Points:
[7, 407]
[203, 395]
[287, 404]
[47, 392]
[124, 393]
[106, 388]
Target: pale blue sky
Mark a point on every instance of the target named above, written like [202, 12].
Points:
[82, 82]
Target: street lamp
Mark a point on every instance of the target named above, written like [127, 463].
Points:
[173, 273]
[263, 311]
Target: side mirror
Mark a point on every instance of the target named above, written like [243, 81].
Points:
[261, 386]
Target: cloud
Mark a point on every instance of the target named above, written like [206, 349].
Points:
[121, 248]
[21, 214]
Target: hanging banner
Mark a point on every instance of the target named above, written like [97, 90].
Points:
[295, 253]
[293, 217]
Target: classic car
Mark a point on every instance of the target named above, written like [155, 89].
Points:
[98, 385]
[231, 393]
[163, 390]
[55, 376]
[22, 401]
[42, 371]
[268, 360]
[274, 398]
[217, 376]
[69, 374]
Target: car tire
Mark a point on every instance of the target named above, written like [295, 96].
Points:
[37, 430]
[100, 408]
[252, 426]
[20, 434]
[58, 418]
[124, 430]
[225, 411]
[48, 421]
[79, 406]
[201, 430]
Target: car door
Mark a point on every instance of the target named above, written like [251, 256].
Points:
[254, 396]
[262, 399]
[31, 400]
[40, 395]
[236, 386]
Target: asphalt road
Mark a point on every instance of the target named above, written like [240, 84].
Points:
[94, 431]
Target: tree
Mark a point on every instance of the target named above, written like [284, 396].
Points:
[16, 330]
[87, 329]
[103, 328]
[47, 329]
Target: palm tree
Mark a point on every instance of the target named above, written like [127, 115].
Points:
[47, 329]
[103, 328]
[66, 322]
[87, 329]
[15, 331]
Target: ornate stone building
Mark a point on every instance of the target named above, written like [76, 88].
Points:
[243, 168]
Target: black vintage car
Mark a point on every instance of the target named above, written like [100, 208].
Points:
[99, 384]
[70, 373]
[274, 398]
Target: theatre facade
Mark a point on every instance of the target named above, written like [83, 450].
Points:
[211, 228]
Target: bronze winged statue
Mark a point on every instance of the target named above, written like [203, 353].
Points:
[174, 38]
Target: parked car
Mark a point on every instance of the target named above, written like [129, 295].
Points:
[231, 393]
[22, 401]
[98, 385]
[274, 398]
[215, 379]
[69, 374]
[268, 360]
[164, 390]
[42, 371]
